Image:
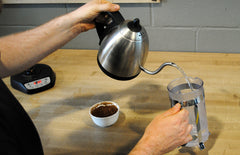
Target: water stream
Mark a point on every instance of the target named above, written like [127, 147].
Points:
[184, 75]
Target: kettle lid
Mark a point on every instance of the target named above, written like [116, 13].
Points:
[134, 25]
[132, 30]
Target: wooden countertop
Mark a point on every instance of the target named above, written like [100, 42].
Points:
[61, 113]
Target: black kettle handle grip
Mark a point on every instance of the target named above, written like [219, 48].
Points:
[105, 21]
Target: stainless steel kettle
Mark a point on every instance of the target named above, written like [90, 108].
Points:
[124, 46]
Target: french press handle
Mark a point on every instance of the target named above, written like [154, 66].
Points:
[106, 21]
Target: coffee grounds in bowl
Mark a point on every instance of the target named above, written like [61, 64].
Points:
[104, 109]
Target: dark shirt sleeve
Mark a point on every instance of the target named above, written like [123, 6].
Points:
[18, 135]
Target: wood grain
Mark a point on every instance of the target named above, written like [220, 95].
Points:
[61, 113]
[72, 1]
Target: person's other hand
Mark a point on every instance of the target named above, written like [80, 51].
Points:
[166, 132]
[88, 12]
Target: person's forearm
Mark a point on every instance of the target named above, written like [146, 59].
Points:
[145, 147]
[22, 50]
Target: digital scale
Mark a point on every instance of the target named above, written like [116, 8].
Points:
[38, 78]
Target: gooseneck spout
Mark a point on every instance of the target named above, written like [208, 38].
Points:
[157, 70]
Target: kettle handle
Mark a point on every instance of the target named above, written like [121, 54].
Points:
[105, 21]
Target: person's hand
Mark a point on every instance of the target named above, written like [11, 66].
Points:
[88, 12]
[166, 132]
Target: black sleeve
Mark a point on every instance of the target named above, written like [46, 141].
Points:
[18, 135]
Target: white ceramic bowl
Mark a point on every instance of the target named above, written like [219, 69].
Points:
[108, 120]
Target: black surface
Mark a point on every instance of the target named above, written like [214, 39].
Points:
[18, 135]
